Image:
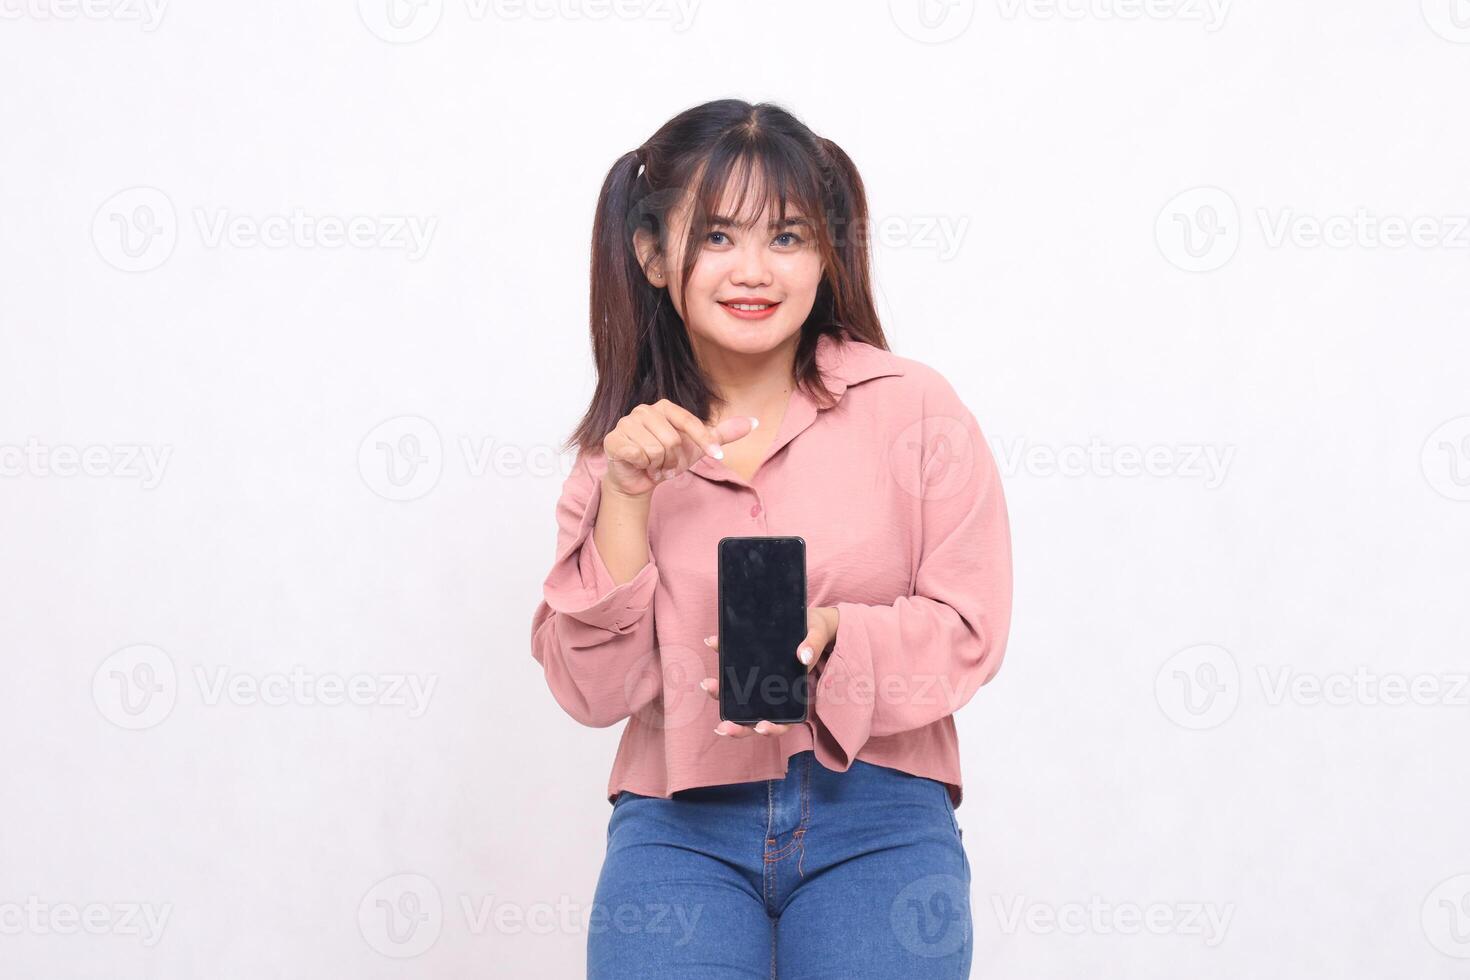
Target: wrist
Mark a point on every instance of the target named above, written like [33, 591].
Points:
[610, 490]
[833, 618]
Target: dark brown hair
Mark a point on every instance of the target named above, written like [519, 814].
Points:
[640, 344]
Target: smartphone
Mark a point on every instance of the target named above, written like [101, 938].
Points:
[762, 599]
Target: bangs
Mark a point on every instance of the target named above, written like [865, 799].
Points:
[748, 177]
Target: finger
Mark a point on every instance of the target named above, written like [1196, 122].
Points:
[703, 438]
[770, 728]
[711, 687]
[642, 429]
[730, 729]
[713, 641]
[735, 427]
[806, 650]
[623, 449]
[671, 439]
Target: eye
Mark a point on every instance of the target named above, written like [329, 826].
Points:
[795, 238]
[712, 236]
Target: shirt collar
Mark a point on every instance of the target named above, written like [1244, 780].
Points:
[842, 365]
[853, 362]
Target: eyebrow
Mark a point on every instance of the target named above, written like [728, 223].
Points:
[720, 219]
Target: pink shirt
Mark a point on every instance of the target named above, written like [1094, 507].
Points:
[897, 495]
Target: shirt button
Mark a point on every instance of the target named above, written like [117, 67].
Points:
[755, 510]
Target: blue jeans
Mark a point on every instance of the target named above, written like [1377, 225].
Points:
[822, 874]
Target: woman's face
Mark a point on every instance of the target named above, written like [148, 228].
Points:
[754, 264]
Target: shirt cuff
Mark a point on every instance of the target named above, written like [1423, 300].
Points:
[843, 700]
[582, 587]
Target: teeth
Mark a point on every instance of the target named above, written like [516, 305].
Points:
[746, 306]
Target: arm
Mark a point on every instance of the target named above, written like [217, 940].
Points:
[593, 632]
[900, 667]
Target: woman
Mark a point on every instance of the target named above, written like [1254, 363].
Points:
[745, 388]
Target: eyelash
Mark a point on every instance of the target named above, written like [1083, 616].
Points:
[784, 234]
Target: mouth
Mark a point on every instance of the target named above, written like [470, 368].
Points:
[751, 309]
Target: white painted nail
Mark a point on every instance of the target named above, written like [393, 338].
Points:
[805, 655]
[716, 451]
[754, 422]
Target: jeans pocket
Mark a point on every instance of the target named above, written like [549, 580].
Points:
[954, 821]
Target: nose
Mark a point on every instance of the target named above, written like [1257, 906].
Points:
[751, 263]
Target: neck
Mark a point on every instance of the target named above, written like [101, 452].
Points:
[748, 384]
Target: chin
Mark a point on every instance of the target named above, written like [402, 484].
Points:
[753, 337]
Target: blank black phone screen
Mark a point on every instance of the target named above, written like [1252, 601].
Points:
[762, 597]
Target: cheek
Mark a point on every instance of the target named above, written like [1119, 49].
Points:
[704, 281]
[803, 273]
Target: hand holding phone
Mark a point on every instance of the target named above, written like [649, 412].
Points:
[815, 635]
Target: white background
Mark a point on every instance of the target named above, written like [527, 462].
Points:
[1033, 170]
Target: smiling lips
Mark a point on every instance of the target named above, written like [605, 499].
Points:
[750, 307]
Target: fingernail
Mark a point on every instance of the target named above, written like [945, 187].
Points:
[703, 688]
[761, 728]
[754, 422]
[805, 655]
[668, 474]
[718, 732]
[708, 641]
[715, 451]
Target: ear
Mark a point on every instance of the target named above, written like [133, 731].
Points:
[648, 257]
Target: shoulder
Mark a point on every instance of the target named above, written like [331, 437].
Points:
[897, 380]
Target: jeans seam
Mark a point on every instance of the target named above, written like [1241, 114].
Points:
[806, 812]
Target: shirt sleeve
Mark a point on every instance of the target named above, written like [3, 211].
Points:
[589, 634]
[894, 668]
